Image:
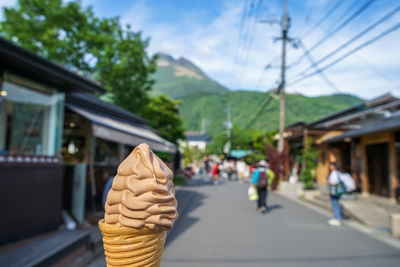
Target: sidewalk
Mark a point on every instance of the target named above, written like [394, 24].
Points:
[372, 211]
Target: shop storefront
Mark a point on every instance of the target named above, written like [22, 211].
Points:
[32, 99]
[373, 152]
[97, 137]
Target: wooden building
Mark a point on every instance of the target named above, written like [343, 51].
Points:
[97, 137]
[373, 152]
[32, 93]
[56, 137]
[347, 152]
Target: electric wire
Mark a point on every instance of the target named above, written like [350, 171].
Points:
[355, 38]
[266, 102]
[239, 40]
[315, 66]
[341, 58]
[323, 18]
[248, 43]
[322, 74]
[331, 33]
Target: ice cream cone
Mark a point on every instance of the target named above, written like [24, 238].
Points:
[127, 246]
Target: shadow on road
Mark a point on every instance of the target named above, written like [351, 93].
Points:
[274, 207]
[200, 181]
[185, 221]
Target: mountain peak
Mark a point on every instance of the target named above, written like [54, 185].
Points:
[166, 57]
[178, 77]
[182, 66]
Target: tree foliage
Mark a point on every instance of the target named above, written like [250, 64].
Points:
[308, 158]
[191, 154]
[100, 48]
[169, 122]
[240, 139]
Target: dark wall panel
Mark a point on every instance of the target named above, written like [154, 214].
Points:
[30, 200]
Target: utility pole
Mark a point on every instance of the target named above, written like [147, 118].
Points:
[285, 28]
[227, 147]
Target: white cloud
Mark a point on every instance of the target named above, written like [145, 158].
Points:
[213, 46]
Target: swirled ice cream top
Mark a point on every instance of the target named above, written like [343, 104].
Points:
[142, 193]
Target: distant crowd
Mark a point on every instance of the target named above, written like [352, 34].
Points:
[257, 175]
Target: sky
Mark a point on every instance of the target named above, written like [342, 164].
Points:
[230, 42]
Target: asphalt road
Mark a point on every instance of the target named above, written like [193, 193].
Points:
[220, 227]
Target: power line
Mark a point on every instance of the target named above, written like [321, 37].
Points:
[246, 30]
[323, 18]
[370, 41]
[266, 102]
[358, 36]
[349, 9]
[337, 29]
[322, 74]
[248, 42]
[240, 39]
[344, 14]
[315, 66]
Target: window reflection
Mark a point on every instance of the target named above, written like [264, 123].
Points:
[30, 121]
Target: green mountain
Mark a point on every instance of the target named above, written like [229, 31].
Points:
[210, 109]
[180, 77]
[205, 101]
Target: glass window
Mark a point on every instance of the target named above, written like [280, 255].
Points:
[31, 121]
[106, 152]
[75, 132]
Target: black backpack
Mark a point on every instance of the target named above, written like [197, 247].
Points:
[262, 179]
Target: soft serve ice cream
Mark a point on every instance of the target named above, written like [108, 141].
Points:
[142, 193]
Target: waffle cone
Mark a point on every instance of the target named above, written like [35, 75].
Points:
[126, 246]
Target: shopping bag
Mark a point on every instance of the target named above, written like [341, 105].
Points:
[338, 189]
[252, 193]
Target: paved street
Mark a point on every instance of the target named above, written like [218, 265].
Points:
[220, 227]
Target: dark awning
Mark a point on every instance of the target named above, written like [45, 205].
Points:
[29, 65]
[123, 132]
[388, 124]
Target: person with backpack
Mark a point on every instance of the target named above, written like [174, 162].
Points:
[261, 176]
[336, 189]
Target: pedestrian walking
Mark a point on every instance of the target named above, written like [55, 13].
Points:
[241, 168]
[261, 176]
[215, 173]
[336, 189]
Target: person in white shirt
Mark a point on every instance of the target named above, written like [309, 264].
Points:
[333, 181]
[241, 168]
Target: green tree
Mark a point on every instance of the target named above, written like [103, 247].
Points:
[260, 140]
[165, 117]
[52, 29]
[217, 144]
[102, 49]
[308, 158]
[191, 154]
[124, 68]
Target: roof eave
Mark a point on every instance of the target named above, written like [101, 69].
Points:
[18, 59]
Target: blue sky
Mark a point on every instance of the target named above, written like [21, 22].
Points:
[207, 32]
